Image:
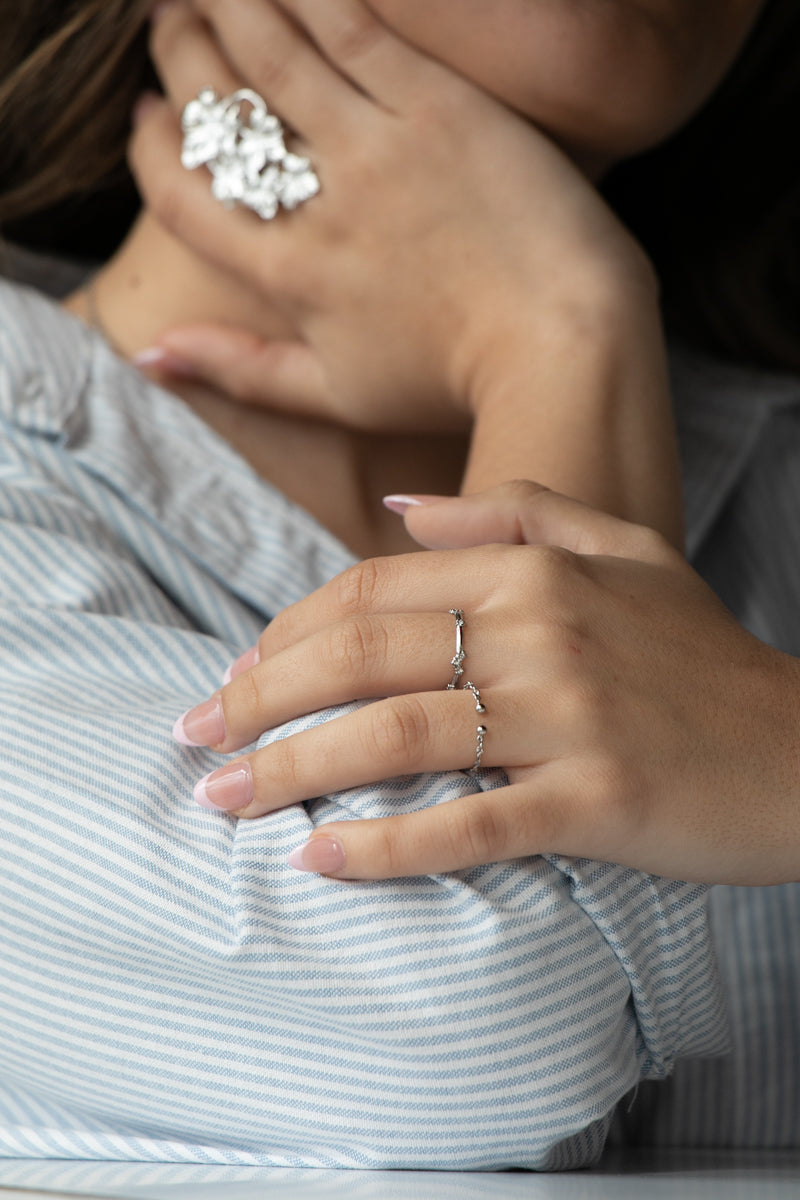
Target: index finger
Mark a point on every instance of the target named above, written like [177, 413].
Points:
[352, 37]
[436, 581]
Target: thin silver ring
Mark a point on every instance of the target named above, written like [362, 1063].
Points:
[481, 731]
[248, 159]
[460, 654]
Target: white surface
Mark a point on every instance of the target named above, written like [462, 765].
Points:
[691, 1176]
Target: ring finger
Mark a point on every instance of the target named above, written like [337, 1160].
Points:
[403, 735]
[313, 98]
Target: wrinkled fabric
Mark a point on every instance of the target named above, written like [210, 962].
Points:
[171, 989]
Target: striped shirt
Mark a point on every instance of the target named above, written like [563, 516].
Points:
[171, 989]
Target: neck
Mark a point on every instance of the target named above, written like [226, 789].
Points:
[336, 473]
[154, 282]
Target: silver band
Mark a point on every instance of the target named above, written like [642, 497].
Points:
[248, 159]
[460, 655]
[481, 731]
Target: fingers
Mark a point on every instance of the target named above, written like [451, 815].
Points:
[365, 50]
[493, 826]
[254, 371]
[186, 58]
[525, 513]
[183, 202]
[399, 736]
[467, 576]
[360, 658]
[273, 56]
[421, 583]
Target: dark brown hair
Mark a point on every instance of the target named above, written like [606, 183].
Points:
[717, 207]
[70, 72]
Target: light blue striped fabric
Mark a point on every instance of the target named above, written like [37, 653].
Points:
[740, 436]
[171, 990]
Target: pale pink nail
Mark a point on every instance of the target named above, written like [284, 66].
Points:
[227, 789]
[401, 504]
[324, 855]
[201, 726]
[243, 663]
[153, 358]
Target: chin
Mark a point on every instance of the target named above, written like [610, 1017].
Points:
[606, 79]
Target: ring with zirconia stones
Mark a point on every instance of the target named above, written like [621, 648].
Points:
[248, 159]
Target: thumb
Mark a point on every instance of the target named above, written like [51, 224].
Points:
[269, 374]
[525, 513]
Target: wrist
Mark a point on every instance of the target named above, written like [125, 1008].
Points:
[594, 311]
[579, 400]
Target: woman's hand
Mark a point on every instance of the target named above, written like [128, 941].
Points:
[456, 266]
[637, 721]
[449, 236]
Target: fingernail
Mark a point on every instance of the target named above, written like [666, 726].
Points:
[400, 504]
[154, 358]
[321, 854]
[144, 104]
[243, 663]
[227, 789]
[201, 726]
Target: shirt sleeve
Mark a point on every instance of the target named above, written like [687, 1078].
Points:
[174, 991]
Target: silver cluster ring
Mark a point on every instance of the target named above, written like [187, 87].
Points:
[248, 159]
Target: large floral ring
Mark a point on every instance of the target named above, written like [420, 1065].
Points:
[248, 159]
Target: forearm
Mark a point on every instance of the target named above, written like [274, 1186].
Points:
[580, 402]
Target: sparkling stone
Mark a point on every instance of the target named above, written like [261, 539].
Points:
[297, 188]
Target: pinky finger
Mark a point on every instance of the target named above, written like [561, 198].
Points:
[492, 826]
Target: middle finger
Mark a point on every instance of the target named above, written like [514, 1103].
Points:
[360, 658]
[273, 56]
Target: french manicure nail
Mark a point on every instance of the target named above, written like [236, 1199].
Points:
[227, 789]
[201, 726]
[401, 504]
[243, 663]
[320, 854]
[154, 358]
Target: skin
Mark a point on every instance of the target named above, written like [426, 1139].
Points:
[617, 770]
[606, 78]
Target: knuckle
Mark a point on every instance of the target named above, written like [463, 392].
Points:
[249, 698]
[359, 587]
[613, 788]
[523, 491]
[581, 707]
[400, 733]
[284, 766]
[651, 546]
[355, 34]
[553, 573]
[355, 648]
[554, 562]
[273, 65]
[476, 834]
[386, 856]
